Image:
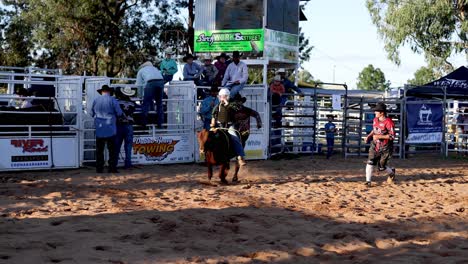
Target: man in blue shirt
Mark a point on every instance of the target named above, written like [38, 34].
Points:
[151, 79]
[105, 111]
[330, 129]
[192, 71]
[207, 106]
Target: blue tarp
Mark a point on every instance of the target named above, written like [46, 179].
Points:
[455, 84]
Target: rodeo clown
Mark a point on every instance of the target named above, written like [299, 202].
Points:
[381, 148]
[224, 117]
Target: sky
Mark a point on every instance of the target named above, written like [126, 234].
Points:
[346, 41]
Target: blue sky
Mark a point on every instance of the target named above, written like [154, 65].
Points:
[344, 36]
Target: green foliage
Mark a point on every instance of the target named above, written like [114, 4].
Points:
[435, 28]
[305, 48]
[423, 76]
[371, 78]
[100, 37]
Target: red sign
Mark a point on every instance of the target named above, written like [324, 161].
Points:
[30, 145]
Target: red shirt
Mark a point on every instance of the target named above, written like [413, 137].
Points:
[386, 127]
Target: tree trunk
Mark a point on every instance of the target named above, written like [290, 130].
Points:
[191, 30]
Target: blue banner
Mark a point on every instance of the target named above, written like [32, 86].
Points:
[424, 123]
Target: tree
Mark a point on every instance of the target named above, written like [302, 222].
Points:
[371, 78]
[101, 37]
[436, 28]
[305, 48]
[424, 75]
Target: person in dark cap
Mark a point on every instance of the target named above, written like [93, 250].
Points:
[221, 65]
[236, 74]
[381, 148]
[330, 130]
[105, 111]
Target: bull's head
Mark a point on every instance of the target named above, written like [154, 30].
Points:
[202, 138]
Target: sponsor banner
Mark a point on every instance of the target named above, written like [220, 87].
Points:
[24, 153]
[160, 149]
[281, 46]
[255, 147]
[424, 123]
[243, 40]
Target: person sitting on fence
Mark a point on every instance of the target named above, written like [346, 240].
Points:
[381, 148]
[192, 71]
[277, 87]
[207, 105]
[223, 117]
[151, 79]
[330, 130]
[221, 65]
[236, 74]
[242, 118]
[168, 66]
[288, 85]
[105, 110]
[209, 72]
[125, 124]
[24, 100]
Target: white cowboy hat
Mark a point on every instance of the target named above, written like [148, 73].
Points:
[127, 91]
[208, 57]
[277, 78]
[281, 70]
[169, 51]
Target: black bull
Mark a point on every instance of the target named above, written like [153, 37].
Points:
[218, 148]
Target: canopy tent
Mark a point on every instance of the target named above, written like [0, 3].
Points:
[454, 85]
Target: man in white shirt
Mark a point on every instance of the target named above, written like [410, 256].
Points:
[151, 79]
[236, 75]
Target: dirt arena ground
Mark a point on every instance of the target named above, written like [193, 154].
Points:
[288, 211]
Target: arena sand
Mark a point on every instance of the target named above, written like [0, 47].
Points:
[288, 211]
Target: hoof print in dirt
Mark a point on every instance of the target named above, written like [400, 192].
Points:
[101, 248]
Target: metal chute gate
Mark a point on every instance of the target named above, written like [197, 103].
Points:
[174, 143]
[41, 128]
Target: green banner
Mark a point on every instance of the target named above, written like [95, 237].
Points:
[281, 46]
[243, 40]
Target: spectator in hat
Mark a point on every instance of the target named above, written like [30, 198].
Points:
[277, 87]
[288, 85]
[192, 71]
[168, 65]
[105, 110]
[330, 130]
[152, 80]
[207, 106]
[209, 71]
[221, 65]
[125, 124]
[236, 74]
